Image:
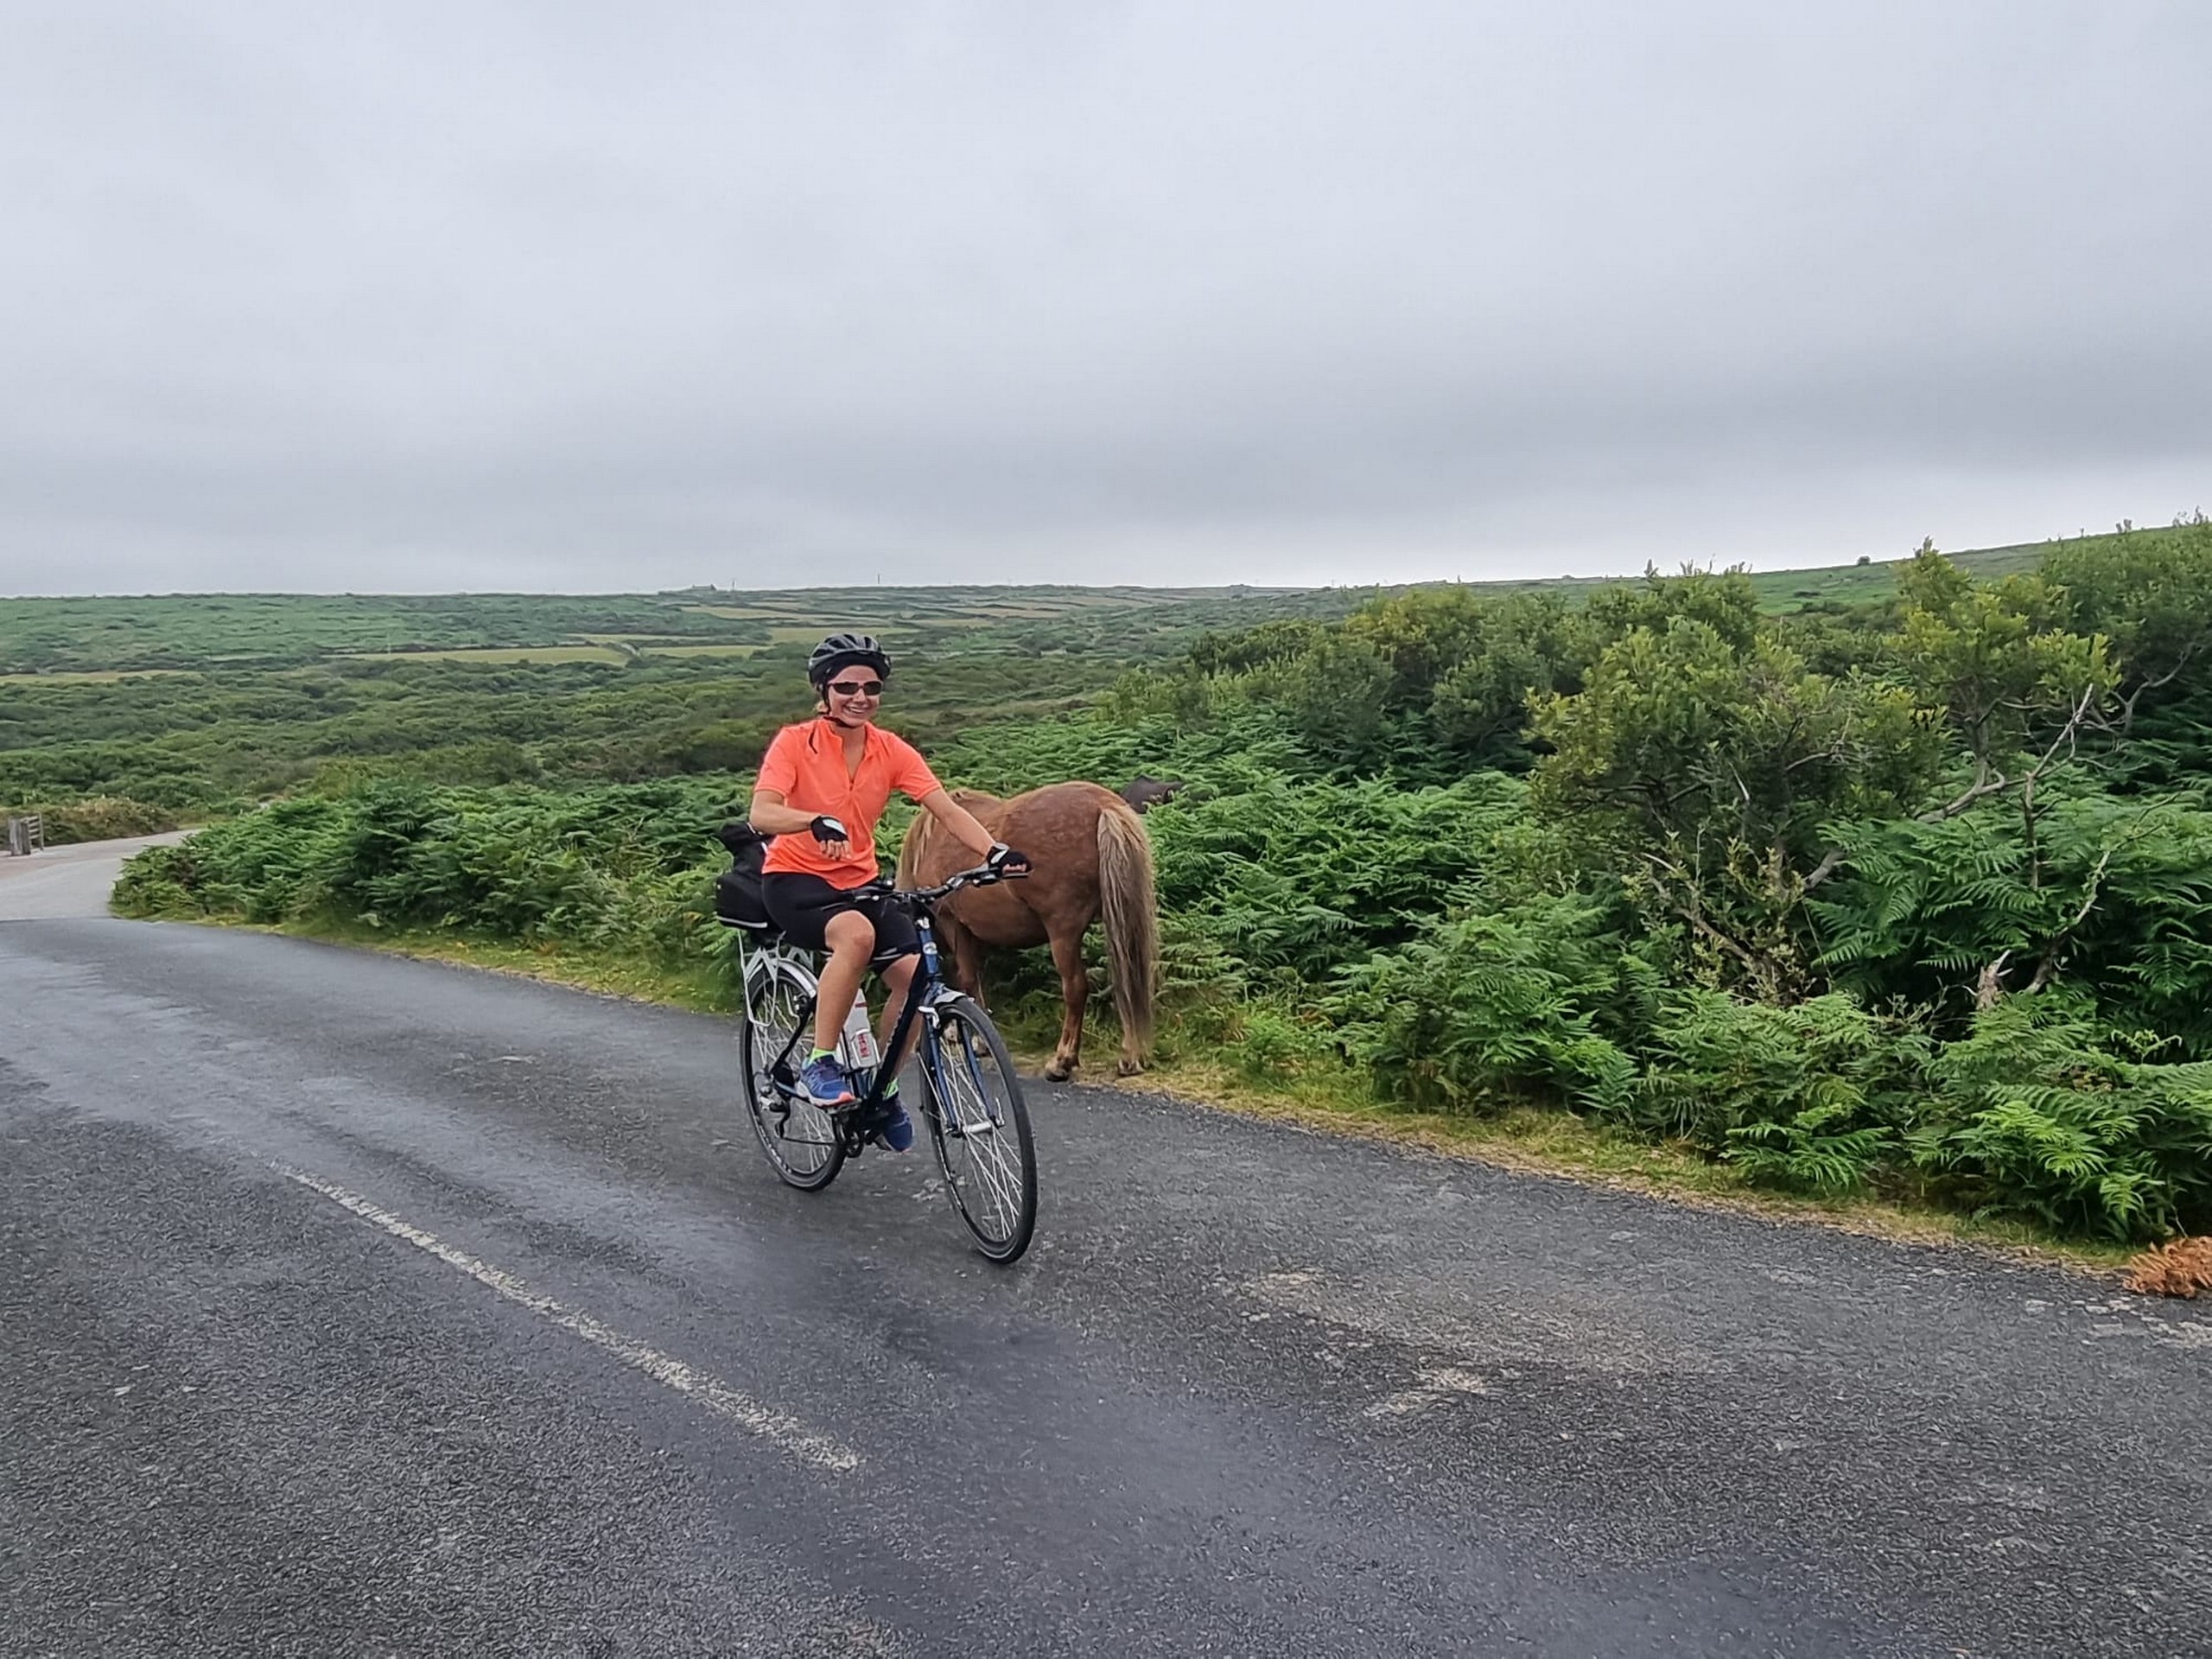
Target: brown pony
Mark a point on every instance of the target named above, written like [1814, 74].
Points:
[1092, 857]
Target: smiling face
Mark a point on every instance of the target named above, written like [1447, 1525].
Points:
[852, 695]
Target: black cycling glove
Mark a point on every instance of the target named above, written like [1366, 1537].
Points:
[827, 829]
[1006, 860]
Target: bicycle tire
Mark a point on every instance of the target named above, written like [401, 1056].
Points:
[987, 1119]
[810, 1159]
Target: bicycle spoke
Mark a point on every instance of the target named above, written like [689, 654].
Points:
[990, 1164]
[988, 1153]
[999, 1183]
[799, 1138]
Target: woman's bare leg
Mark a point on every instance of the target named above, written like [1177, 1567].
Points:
[897, 977]
[851, 937]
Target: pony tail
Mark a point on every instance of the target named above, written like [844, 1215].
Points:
[1132, 918]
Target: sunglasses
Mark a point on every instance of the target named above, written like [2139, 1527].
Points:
[857, 687]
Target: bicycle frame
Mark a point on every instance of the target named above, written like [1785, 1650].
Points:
[928, 986]
[979, 1124]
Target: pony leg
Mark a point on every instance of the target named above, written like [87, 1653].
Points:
[1075, 992]
[963, 957]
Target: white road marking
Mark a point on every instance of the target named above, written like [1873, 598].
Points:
[716, 1395]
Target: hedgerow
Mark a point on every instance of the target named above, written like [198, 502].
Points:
[1912, 899]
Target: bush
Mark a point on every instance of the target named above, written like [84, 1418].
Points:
[1489, 1007]
[1273, 1042]
[621, 867]
[103, 817]
[1806, 1096]
[2043, 1114]
[2113, 896]
[1296, 879]
[160, 882]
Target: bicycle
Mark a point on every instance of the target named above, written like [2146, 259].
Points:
[970, 1097]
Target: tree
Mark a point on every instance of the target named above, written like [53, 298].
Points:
[2017, 686]
[2150, 595]
[1713, 770]
[1724, 600]
[1336, 693]
[1523, 647]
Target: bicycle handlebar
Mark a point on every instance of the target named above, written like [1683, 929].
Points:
[982, 876]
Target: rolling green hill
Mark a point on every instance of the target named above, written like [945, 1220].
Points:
[111, 636]
[185, 703]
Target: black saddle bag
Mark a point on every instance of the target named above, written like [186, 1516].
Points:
[737, 889]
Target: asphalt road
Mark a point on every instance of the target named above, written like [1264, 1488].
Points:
[358, 1305]
[71, 881]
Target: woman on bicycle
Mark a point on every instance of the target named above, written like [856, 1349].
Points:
[823, 785]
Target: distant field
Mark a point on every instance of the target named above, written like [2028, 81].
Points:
[192, 702]
[607, 654]
[51, 638]
[93, 677]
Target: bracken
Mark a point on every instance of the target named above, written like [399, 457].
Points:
[2181, 1269]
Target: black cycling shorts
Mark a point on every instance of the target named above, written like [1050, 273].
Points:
[801, 906]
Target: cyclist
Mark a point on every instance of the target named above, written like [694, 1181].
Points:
[823, 785]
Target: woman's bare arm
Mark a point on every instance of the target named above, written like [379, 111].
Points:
[940, 805]
[772, 816]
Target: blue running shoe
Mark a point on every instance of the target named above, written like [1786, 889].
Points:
[891, 1122]
[826, 1084]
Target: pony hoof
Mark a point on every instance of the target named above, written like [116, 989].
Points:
[1058, 1073]
[1129, 1068]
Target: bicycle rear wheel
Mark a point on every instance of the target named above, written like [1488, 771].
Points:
[980, 1126]
[800, 1138]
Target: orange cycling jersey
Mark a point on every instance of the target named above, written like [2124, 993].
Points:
[806, 766]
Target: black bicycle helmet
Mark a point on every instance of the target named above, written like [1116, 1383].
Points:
[843, 650]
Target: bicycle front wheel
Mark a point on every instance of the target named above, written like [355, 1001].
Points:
[981, 1129]
[802, 1143]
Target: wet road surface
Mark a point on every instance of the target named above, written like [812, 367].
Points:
[71, 881]
[353, 1305]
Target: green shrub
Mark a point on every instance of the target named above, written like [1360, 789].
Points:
[1295, 879]
[1488, 1006]
[105, 817]
[2113, 896]
[160, 882]
[1273, 1042]
[2043, 1114]
[1806, 1096]
[623, 866]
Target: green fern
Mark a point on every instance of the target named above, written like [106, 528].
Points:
[1812, 1152]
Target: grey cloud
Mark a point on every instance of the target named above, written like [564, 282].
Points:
[552, 295]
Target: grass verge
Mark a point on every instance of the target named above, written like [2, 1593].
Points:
[1548, 1141]
[1530, 1139]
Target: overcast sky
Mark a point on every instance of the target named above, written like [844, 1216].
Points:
[391, 297]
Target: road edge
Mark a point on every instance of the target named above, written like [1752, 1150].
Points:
[1468, 1140]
